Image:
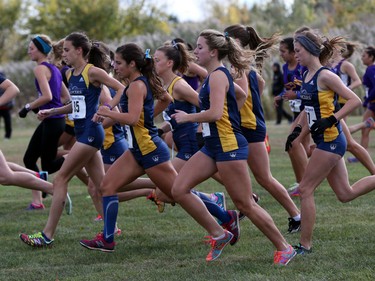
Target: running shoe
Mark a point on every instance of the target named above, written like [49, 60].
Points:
[294, 226]
[219, 199]
[284, 257]
[35, 206]
[233, 226]
[302, 250]
[353, 160]
[44, 176]
[36, 240]
[98, 244]
[160, 204]
[118, 232]
[68, 205]
[267, 143]
[293, 189]
[370, 122]
[217, 246]
[98, 218]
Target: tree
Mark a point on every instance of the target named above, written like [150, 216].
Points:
[9, 14]
[100, 19]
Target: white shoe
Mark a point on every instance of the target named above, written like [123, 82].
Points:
[68, 205]
[293, 189]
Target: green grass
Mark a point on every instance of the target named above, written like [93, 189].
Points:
[169, 246]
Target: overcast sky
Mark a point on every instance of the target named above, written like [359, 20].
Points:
[195, 9]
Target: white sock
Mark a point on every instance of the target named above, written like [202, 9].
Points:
[220, 237]
[297, 218]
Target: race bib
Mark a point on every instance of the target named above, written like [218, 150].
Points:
[129, 136]
[78, 107]
[295, 105]
[310, 114]
[166, 116]
[206, 132]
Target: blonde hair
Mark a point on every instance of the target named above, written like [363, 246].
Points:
[227, 47]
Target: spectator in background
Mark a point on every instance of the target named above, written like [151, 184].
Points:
[5, 113]
[277, 89]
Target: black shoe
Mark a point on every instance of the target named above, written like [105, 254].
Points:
[302, 250]
[294, 226]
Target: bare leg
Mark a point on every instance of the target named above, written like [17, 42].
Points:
[358, 151]
[258, 161]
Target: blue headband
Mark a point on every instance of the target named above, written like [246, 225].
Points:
[41, 45]
[308, 44]
[147, 54]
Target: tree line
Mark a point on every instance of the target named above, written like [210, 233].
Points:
[147, 23]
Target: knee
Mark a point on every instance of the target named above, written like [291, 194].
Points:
[176, 193]
[263, 180]
[244, 205]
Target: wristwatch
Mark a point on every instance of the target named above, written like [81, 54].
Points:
[27, 107]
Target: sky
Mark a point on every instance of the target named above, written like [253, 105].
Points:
[193, 10]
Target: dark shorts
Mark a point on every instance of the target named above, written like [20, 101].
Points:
[69, 130]
[253, 136]
[160, 155]
[187, 145]
[111, 154]
[216, 152]
[92, 135]
[337, 146]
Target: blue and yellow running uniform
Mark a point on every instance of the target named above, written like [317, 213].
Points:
[184, 135]
[145, 144]
[223, 139]
[253, 125]
[345, 78]
[85, 102]
[114, 144]
[322, 104]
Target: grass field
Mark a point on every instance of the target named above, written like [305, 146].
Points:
[169, 246]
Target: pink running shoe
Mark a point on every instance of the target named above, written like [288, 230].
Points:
[284, 257]
[98, 244]
[233, 226]
[218, 245]
[34, 206]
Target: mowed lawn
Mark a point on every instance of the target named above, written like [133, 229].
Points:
[169, 246]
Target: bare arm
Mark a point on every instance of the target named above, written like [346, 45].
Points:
[349, 69]
[162, 103]
[136, 94]
[219, 85]
[98, 77]
[184, 92]
[10, 91]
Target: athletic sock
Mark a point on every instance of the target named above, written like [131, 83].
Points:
[110, 210]
[297, 218]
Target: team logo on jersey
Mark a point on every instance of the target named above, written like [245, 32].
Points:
[187, 155]
[81, 79]
[112, 158]
[90, 139]
[332, 146]
[155, 158]
[311, 83]
[233, 154]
